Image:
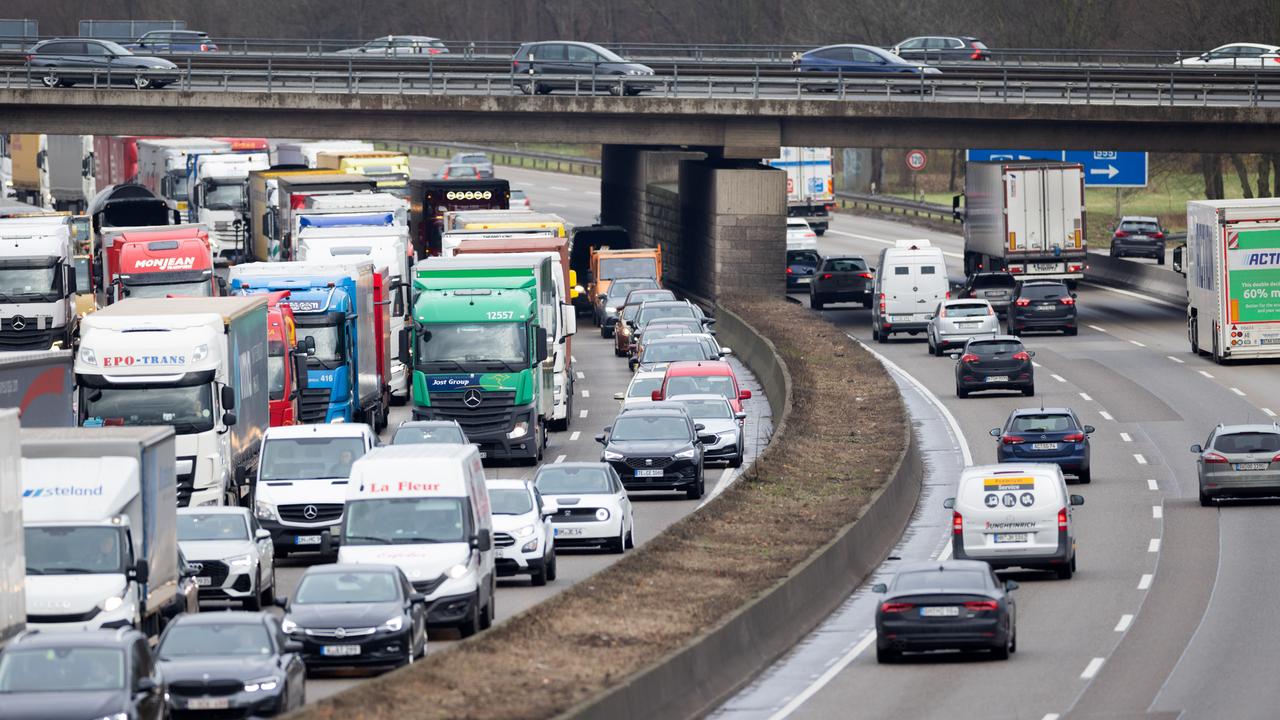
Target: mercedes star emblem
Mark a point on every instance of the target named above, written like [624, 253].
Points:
[472, 398]
[18, 322]
[310, 512]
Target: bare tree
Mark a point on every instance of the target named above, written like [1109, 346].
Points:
[1242, 172]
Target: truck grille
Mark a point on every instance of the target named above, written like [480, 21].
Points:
[492, 417]
[215, 570]
[503, 540]
[645, 463]
[314, 405]
[186, 482]
[323, 512]
[29, 337]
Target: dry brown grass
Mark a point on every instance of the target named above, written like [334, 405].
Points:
[842, 441]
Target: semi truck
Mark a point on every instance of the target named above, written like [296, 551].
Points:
[291, 194]
[115, 160]
[1232, 265]
[480, 353]
[218, 183]
[162, 166]
[429, 200]
[389, 169]
[99, 512]
[37, 283]
[13, 561]
[263, 191]
[198, 364]
[286, 361]
[158, 261]
[40, 386]
[810, 192]
[72, 169]
[335, 306]
[305, 153]
[1027, 218]
[29, 172]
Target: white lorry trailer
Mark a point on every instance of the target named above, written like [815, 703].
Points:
[37, 283]
[72, 182]
[198, 364]
[810, 189]
[1232, 263]
[303, 153]
[99, 512]
[13, 559]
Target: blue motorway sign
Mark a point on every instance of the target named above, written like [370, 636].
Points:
[1102, 168]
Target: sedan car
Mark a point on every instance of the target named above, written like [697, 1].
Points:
[610, 304]
[656, 448]
[1046, 435]
[413, 432]
[1042, 305]
[801, 265]
[87, 674]
[994, 287]
[640, 390]
[660, 353]
[717, 417]
[546, 66]
[841, 279]
[859, 59]
[522, 534]
[234, 558]
[452, 171]
[589, 506]
[627, 313]
[955, 322]
[995, 363]
[1239, 461]
[174, 41]
[949, 605]
[65, 62]
[1236, 55]
[1137, 236]
[231, 662]
[659, 329]
[520, 200]
[356, 615]
[399, 45]
[799, 235]
[942, 47]
[479, 159]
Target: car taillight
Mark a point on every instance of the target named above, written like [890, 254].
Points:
[895, 607]
[789, 271]
[1213, 458]
[1275, 458]
[942, 313]
[433, 51]
[1075, 268]
[947, 295]
[1062, 519]
[882, 303]
[968, 358]
[1121, 233]
[827, 276]
[957, 523]
[1023, 356]
[1074, 437]
[865, 275]
[29, 58]
[1022, 302]
[1158, 236]
[991, 310]
[982, 605]
[1011, 439]
[204, 48]
[1067, 300]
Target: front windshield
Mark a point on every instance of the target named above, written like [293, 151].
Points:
[510, 501]
[650, 428]
[473, 342]
[223, 196]
[644, 387]
[330, 347]
[673, 351]
[59, 670]
[708, 409]
[207, 639]
[309, 458]
[189, 288]
[74, 550]
[639, 267]
[553, 480]
[721, 385]
[212, 526]
[347, 587]
[16, 281]
[449, 434]
[188, 408]
[275, 372]
[397, 521]
[618, 290]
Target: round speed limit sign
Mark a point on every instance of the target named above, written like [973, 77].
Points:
[917, 160]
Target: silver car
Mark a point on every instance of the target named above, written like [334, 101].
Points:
[232, 555]
[716, 416]
[955, 322]
[1239, 461]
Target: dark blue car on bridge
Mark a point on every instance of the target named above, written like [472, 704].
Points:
[859, 59]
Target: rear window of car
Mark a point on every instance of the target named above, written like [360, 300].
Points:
[997, 347]
[1248, 442]
[934, 579]
[802, 256]
[967, 310]
[1139, 227]
[1043, 292]
[1046, 423]
[846, 265]
[990, 281]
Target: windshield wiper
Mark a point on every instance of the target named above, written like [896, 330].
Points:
[419, 541]
[370, 538]
[456, 365]
[72, 571]
[505, 365]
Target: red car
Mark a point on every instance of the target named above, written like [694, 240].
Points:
[702, 377]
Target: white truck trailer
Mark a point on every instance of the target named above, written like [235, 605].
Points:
[13, 559]
[810, 189]
[219, 197]
[72, 182]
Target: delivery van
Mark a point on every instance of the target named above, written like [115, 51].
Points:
[911, 279]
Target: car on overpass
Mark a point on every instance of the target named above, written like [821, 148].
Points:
[941, 47]
[1236, 55]
[174, 41]
[64, 62]
[950, 605]
[562, 65]
[398, 46]
[858, 59]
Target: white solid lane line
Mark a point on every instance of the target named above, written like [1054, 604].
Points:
[1157, 511]
[827, 676]
[1092, 668]
[1144, 582]
[1154, 545]
[1125, 621]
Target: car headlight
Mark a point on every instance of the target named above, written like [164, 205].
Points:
[611, 455]
[530, 546]
[457, 571]
[264, 510]
[288, 626]
[602, 514]
[265, 684]
[520, 430]
[240, 561]
[686, 454]
[525, 531]
[394, 624]
[112, 603]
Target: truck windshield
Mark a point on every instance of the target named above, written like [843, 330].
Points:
[190, 288]
[223, 196]
[24, 280]
[310, 458]
[406, 521]
[639, 267]
[178, 185]
[74, 550]
[463, 343]
[188, 408]
[60, 670]
[330, 347]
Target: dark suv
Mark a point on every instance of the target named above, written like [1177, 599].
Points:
[1138, 237]
[1042, 305]
[996, 363]
[994, 287]
[546, 66]
[656, 448]
[841, 279]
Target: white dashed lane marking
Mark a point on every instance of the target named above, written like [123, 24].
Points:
[1092, 668]
[1157, 511]
[1105, 415]
[574, 437]
[1144, 582]
[1137, 457]
[1154, 545]
[1125, 621]
[1177, 360]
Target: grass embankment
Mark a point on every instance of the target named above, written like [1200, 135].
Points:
[808, 484]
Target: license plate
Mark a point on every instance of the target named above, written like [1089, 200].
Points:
[804, 280]
[1011, 537]
[1046, 308]
[203, 581]
[1251, 466]
[483, 455]
[306, 540]
[566, 532]
[654, 472]
[1044, 446]
[997, 378]
[1046, 267]
[208, 703]
[340, 650]
[945, 611]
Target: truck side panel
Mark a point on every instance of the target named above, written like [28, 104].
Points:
[369, 381]
[13, 561]
[247, 347]
[40, 386]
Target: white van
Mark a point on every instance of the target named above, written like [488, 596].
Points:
[1015, 515]
[426, 509]
[911, 280]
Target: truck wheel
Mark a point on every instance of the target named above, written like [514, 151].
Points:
[1193, 336]
[819, 230]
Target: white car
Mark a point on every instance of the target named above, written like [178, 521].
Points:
[717, 417]
[640, 391]
[588, 505]
[522, 532]
[800, 236]
[232, 555]
[1241, 55]
[955, 322]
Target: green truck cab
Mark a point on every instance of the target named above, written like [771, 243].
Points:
[479, 355]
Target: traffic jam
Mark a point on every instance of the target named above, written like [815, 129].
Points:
[208, 350]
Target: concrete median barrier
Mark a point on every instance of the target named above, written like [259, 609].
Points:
[1156, 281]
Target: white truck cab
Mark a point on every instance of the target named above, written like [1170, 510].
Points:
[218, 185]
[426, 509]
[37, 283]
[301, 488]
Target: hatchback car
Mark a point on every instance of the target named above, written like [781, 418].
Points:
[801, 265]
[520, 200]
[942, 47]
[522, 534]
[640, 390]
[627, 312]
[841, 279]
[174, 41]
[662, 328]
[715, 377]
[1137, 236]
[232, 555]
[1042, 305]
[1046, 435]
[610, 304]
[63, 63]
[859, 59]
[545, 66]
[995, 363]
[717, 417]
[949, 605]
[479, 159]
[87, 674]
[668, 309]
[656, 448]
[453, 171]
[994, 287]
[228, 663]
[1239, 461]
[955, 322]
[799, 235]
[589, 506]
[414, 432]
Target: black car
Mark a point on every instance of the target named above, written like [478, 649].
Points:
[74, 676]
[187, 599]
[841, 279]
[546, 66]
[994, 287]
[995, 363]
[65, 62]
[656, 449]
[1138, 237]
[417, 432]
[951, 605]
[1045, 435]
[1042, 305]
[241, 663]
[356, 615]
[942, 47]
[801, 265]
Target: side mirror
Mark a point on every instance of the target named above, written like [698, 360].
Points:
[1010, 585]
[1088, 429]
[600, 438]
[228, 397]
[619, 396]
[300, 369]
[141, 571]
[281, 602]
[949, 503]
[699, 427]
[955, 356]
[994, 432]
[228, 419]
[405, 358]
[726, 351]
[222, 285]
[541, 344]
[1197, 449]
[1031, 353]
[744, 395]
[70, 280]
[293, 646]
[632, 364]
[145, 685]
[309, 344]
[569, 318]
[880, 588]
[262, 534]
[482, 540]
[656, 396]
[1077, 500]
[740, 416]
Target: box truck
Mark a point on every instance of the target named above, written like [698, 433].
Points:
[72, 169]
[39, 386]
[810, 192]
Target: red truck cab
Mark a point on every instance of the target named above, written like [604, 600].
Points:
[286, 362]
[160, 262]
